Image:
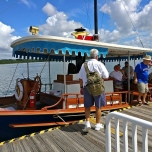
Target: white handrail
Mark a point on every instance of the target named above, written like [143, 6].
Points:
[135, 122]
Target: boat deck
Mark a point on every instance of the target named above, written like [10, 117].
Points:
[71, 139]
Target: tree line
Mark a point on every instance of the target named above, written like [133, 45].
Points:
[11, 61]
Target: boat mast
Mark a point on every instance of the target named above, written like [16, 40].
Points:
[95, 37]
[95, 17]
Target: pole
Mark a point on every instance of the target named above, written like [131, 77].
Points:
[119, 59]
[64, 68]
[134, 63]
[27, 67]
[49, 75]
[129, 76]
[95, 36]
[95, 17]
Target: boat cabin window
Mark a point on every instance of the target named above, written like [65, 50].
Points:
[73, 53]
[67, 52]
[45, 51]
[38, 50]
[33, 50]
[52, 51]
[60, 51]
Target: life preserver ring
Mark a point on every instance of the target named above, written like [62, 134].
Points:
[19, 90]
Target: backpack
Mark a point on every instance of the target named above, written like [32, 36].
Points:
[94, 82]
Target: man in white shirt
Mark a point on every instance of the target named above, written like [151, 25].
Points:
[89, 100]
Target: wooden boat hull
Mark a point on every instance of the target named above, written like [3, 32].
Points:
[7, 100]
[17, 123]
[9, 125]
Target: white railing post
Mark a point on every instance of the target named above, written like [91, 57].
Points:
[134, 137]
[117, 140]
[108, 135]
[144, 140]
[125, 136]
[134, 121]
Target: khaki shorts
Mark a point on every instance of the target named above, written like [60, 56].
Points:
[142, 87]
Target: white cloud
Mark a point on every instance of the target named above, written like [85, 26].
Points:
[6, 38]
[141, 19]
[144, 21]
[145, 41]
[25, 2]
[49, 9]
[57, 23]
[118, 13]
[109, 37]
[28, 3]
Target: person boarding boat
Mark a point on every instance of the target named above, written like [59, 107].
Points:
[89, 99]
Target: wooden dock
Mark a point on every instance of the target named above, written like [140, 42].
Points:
[71, 139]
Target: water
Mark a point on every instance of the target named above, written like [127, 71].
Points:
[10, 72]
[8, 75]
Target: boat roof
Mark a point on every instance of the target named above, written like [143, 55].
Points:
[42, 46]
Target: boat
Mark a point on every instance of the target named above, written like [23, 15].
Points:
[31, 110]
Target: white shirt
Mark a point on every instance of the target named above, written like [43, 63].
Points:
[93, 65]
[117, 75]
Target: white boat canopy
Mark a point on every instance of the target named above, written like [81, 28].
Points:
[42, 47]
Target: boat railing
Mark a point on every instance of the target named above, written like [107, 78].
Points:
[78, 99]
[145, 125]
[45, 86]
[48, 107]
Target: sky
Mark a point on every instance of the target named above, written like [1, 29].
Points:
[126, 22]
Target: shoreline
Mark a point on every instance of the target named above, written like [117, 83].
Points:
[13, 61]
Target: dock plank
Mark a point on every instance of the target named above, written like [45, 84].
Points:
[72, 139]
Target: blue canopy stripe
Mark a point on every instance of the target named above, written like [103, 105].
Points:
[19, 54]
[123, 58]
[56, 46]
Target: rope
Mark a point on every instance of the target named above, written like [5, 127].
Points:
[35, 83]
[11, 79]
[44, 65]
[56, 116]
[61, 118]
[87, 10]
[132, 23]
[102, 16]
[9, 6]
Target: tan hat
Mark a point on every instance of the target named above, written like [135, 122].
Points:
[147, 57]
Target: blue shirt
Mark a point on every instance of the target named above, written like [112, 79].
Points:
[141, 70]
